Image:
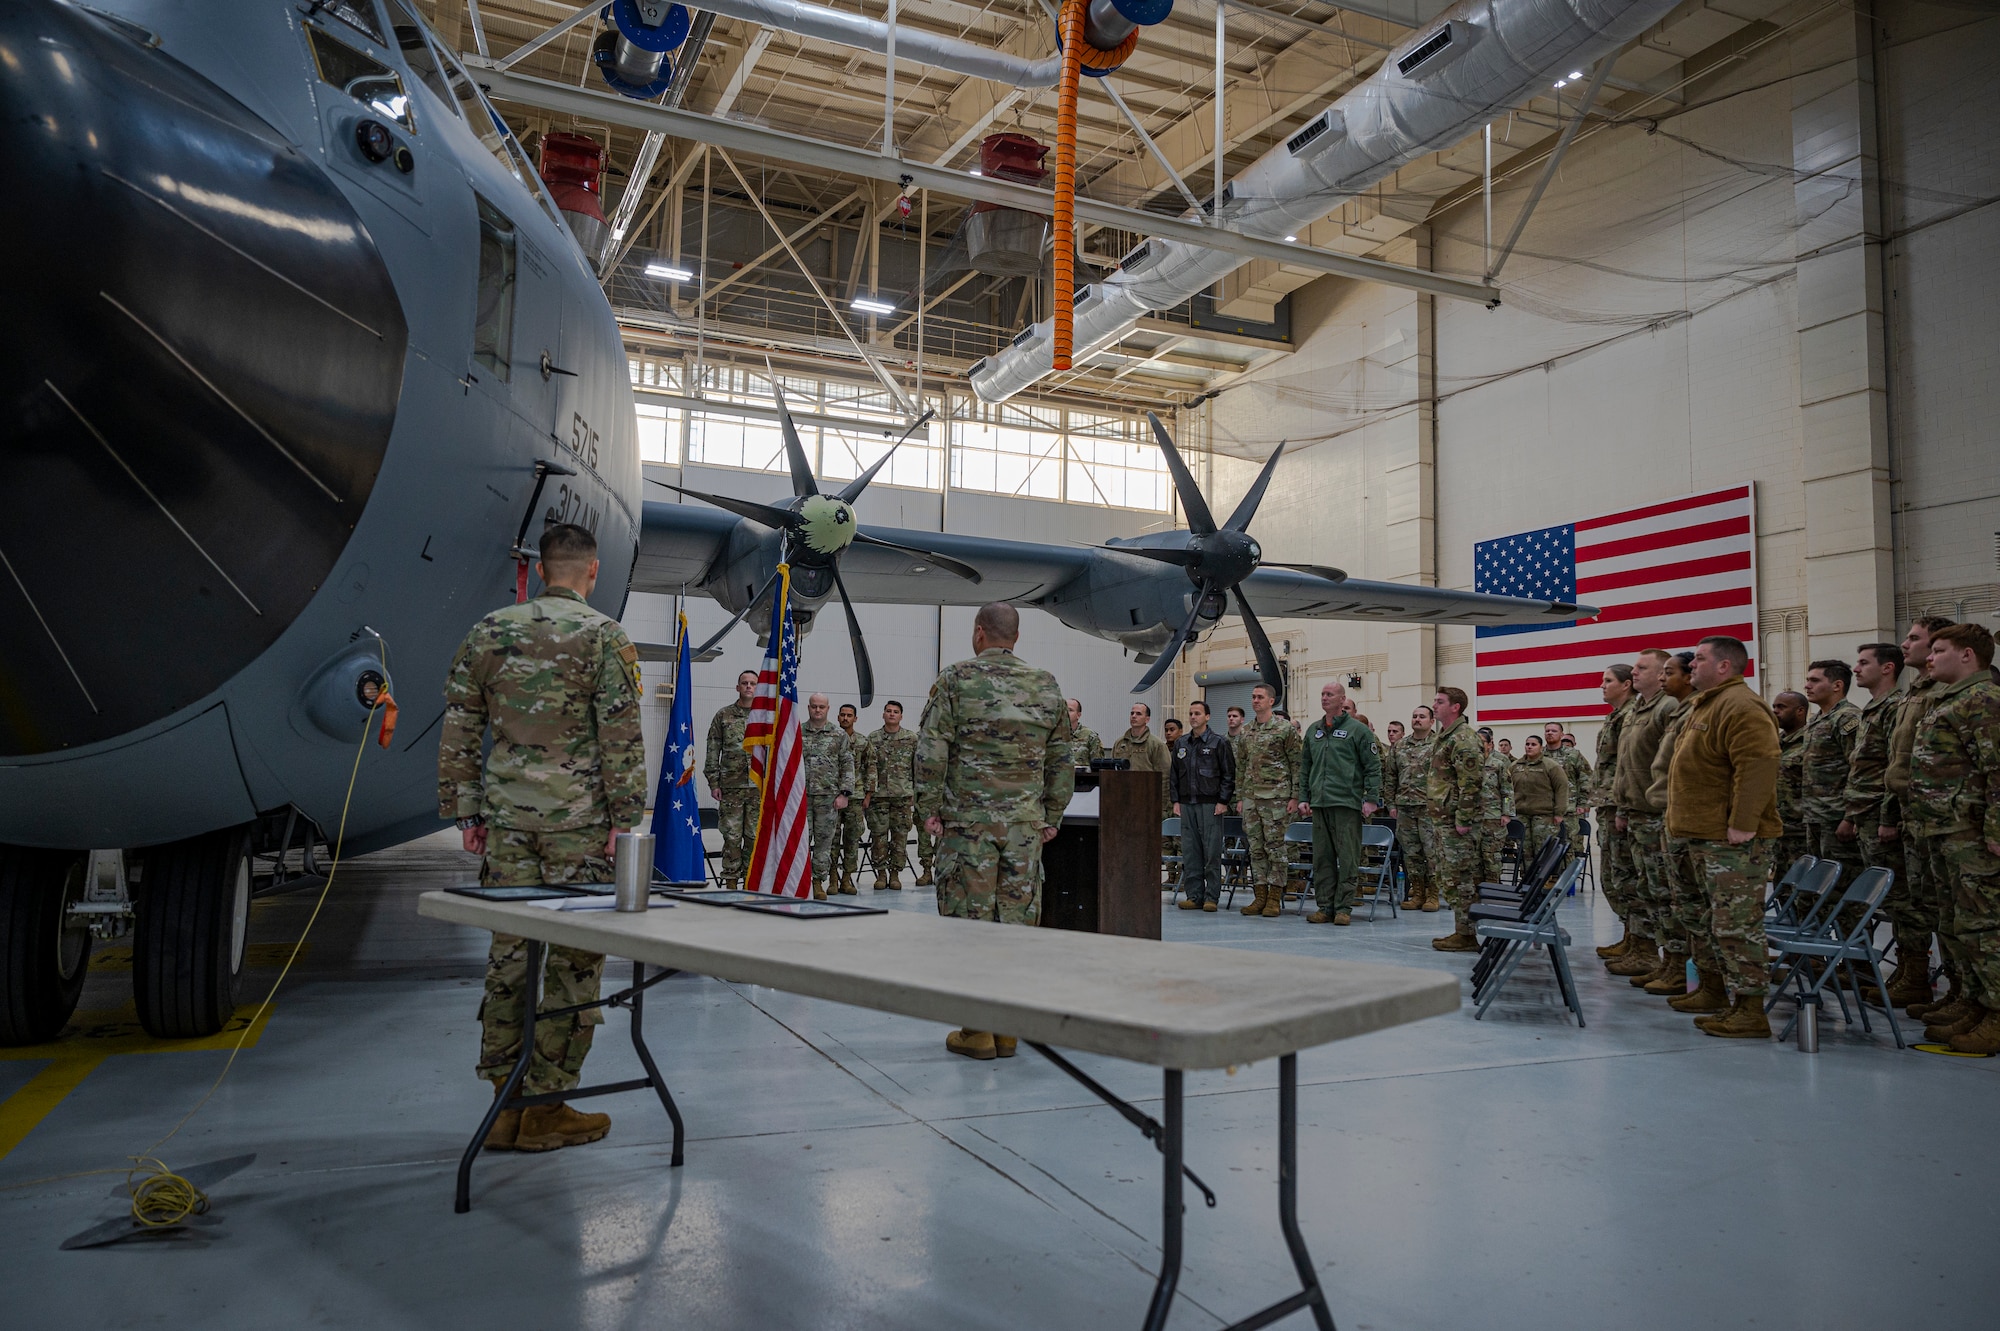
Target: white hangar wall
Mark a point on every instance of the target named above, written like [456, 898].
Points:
[1692, 306]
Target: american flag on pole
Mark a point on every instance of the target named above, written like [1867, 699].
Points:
[1664, 575]
[781, 855]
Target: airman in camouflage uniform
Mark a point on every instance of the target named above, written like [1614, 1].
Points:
[1829, 744]
[729, 784]
[829, 763]
[1928, 895]
[1690, 911]
[993, 779]
[1640, 826]
[1451, 843]
[850, 820]
[1791, 711]
[1407, 774]
[557, 681]
[1496, 810]
[1541, 794]
[889, 782]
[1267, 754]
[1577, 769]
[1615, 864]
[1863, 808]
[1085, 747]
[1952, 810]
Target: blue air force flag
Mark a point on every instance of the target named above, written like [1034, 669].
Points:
[676, 819]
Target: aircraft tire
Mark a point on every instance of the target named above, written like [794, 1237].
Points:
[44, 955]
[193, 919]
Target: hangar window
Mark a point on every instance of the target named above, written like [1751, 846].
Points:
[659, 433]
[361, 76]
[1055, 452]
[493, 315]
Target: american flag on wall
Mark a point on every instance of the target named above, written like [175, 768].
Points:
[781, 855]
[1664, 575]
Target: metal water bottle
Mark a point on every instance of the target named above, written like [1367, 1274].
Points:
[632, 870]
[1809, 1024]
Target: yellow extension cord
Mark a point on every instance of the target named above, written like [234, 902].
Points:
[160, 1197]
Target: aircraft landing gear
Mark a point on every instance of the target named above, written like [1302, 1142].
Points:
[193, 921]
[44, 949]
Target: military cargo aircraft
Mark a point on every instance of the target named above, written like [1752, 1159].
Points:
[300, 357]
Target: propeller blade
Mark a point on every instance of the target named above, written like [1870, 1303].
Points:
[1327, 571]
[1200, 521]
[1185, 558]
[864, 673]
[795, 452]
[945, 562]
[1247, 508]
[1166, 658]
[853, 489]
[782, 519]
[702, 652]
[1267, 660]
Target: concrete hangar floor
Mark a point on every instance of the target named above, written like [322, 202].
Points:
[844, 1171]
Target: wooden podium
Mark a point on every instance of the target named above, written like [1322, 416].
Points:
[1101, 874]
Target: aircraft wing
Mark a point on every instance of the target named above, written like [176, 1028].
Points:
[1281, 593]
[1017, 571]
[677, 543]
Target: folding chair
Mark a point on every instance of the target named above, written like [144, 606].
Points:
[1379, 840]
[1171, 864]
[1508, 905]
[1790, 893]
[1299, 834]
[711, 821]
[1588, 843]
[1235, 866]
[1515, 852]
[1546, 864]
[1821, 939]
[1534, 926]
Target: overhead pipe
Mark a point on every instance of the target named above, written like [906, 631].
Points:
[1110, 26]
[1437, 87]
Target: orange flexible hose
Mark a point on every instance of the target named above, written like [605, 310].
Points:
[1070, 32]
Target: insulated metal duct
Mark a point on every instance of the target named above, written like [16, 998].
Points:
[1477, 60]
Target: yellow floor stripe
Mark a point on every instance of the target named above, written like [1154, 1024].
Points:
[21, 1111]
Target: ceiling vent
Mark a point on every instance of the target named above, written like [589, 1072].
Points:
[1436, 51]
[1326, 129]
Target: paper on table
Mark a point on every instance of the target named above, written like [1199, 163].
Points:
[589, 903]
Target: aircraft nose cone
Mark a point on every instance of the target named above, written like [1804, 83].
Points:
[200, 365]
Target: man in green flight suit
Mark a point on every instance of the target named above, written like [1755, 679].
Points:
[729, 783]
[1339, 784]
[993, 780]
[558, 683]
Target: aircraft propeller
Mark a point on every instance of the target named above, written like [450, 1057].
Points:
[1217, 560]
[817, 528]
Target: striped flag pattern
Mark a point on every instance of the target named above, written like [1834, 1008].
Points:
[1663, 575]
[781, 855]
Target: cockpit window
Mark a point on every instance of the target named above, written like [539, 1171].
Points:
[356, 14]
[417, 50]
[493, 319]
[361, 76]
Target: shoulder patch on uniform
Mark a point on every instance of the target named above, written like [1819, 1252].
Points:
[628, 654]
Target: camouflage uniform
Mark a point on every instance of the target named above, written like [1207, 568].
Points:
[1577, 768]
[889, 779]
[1865, 804]
[1689, 909]
[852, 823]
[1951, 809]
[829, 763]
[1085, 747]
[1267, 753]
[993, 764]
[1733, 878]
[1928, 892]
[1645, 831]
[1619, 890]
[1829, 742]
[558, 682]
[1457, 768]
[1406, 780]
[1496, 810]
[1791, 791]
[728, 771]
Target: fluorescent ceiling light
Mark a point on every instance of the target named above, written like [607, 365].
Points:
[1575, 75]
[669, 272]
[867, 306]
[1562, 82]
[977, 172]
[1289, 240]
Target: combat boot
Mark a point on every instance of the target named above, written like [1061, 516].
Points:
[1981, 1039]
[1274, 903]
[847, 886]
[1003, 1046]
[1745, 1020]
[1189, 903]
[1709, 997]
[1642, 958]
[546, 1127]
[1256, 906]
[507, 1127]
[1318, 917]
[1671, 980]
[924, 879]
[971, 1044]
[1619, 948]
[819, 892]
[1413, 896]
[1668, 966]
[1341, 917]
[1938, 1030]
[1211, 906]
[1431, 904]
[1456, 942]
[1910, 987]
